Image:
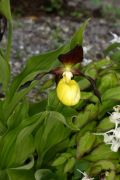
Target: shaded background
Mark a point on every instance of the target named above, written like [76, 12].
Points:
[42, 25]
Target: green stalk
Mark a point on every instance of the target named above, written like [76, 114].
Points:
[9, 42]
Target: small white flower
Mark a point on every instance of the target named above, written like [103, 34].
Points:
[116, 38]
[86, 177]
[115, 117]
[117, 108]
[115, 146]
[117, 133]
[108, 138]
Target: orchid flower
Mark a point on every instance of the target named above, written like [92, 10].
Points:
[68, 90]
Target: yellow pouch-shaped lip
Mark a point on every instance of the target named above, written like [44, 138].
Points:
[68, 92]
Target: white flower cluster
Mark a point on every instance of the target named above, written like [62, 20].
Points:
[112, 137]
[116, 38]
[86, 177]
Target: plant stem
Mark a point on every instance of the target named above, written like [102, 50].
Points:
[9, 43]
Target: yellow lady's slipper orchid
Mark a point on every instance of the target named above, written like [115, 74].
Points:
[68, 90]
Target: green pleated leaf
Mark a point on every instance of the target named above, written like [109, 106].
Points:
[15, 151]
[105, 125]
[61, 159]
[53, 102]
[105, 107]
[24, 146]
[5, 9]
[20, 113]
[10, 104]
[4, 73]
[71, 124]
[17, 145]
[86, 95]
[102, 165]
[69, 165]
[89, 114]
[50, 134]
[3, 128]
[85, 144]
[37, 107]
[101, 152]
[21, 174]
[108, 81]
[77, 38]
[53, 151]
[44, 174]
[102, 64]
[70, 115]
[84, 84]
[116, 56]
[68, 112]
[92, 72]
[27, 166]
[6, 147]
[111, 47]
[112, 94]
[90, 127]
[105, 165]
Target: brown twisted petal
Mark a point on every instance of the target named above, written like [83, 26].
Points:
[57, 71]
[3, 26]
[77, 72]
[72, 57]
[93, 85]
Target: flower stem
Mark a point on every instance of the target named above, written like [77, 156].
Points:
[9, 42]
